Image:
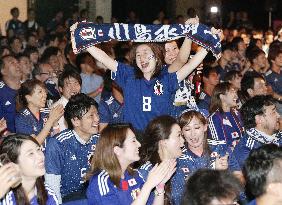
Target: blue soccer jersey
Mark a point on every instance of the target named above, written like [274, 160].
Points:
[8, 105]
[101, 189]
[27, 123]
[110, 111]
[253, 202]
[189, 163]
[68, 156]
[252, 139]
[204, 101]
[143, 99]
[9, 198]
[226, 126]
[275, 80]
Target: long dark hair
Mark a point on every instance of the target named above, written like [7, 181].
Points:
[158, 129]
[220, 89]
[11, 145]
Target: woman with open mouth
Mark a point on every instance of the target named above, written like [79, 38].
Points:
[112, 178]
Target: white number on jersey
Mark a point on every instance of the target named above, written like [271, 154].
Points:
[147, 104]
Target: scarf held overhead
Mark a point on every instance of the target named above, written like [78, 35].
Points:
[87, 34]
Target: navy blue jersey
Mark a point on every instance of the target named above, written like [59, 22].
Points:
[27, 123]
[101, 189]
[275, 80]
[253, 202]
[67, 156]
[189, 163]
[8, 105]
[226, 126]
[143, 99]
[252, 139]
[9, 198]
[110, 111]
[204, 101]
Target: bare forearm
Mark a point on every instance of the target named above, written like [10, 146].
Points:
[191, 65]
[182, 56]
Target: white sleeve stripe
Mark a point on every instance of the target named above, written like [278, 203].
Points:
[212, 129]
[54, 181]
[52, 193]
[64, 136]
[102, 183]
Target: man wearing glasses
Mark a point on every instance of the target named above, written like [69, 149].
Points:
[45, 73]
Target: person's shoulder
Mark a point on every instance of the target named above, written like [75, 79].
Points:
[2, 85]
[23, 113]
[100, 182]
[63, 137]
[95, 138]
[52, 198]
[9, 198]
[147, 166]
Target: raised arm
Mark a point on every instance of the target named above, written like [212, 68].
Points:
[191, 65]
[195, 61]
[104, 58]
[184, 51]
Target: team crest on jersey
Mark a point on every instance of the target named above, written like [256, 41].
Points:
[132, 182]
[234, 135]
[135, 193]
[87, 33]
[158, 88]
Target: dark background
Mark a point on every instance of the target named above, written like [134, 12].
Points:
[147, 10]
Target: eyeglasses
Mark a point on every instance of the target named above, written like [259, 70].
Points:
[45, 74]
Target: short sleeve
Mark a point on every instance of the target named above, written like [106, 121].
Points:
[122, 74]
[104, 113]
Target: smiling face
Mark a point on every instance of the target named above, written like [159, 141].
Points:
[37, 97]
[129, 152]
[194, 133]
[71, 87]
[229, 98]
[145, 60]
[171, 52]
[88, 124]
[171, 147]
[31, 160]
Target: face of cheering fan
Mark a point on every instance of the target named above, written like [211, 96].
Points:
[230, 98]
[31, 160]
[171, 147]
[194, 133]
[38, 97]
[145, 59]
[129, 152]
[171, 52]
